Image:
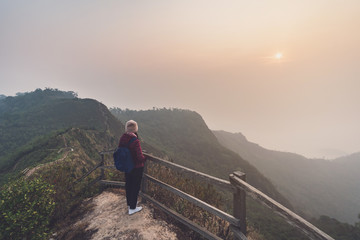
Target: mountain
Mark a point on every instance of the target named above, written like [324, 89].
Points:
[314, 186]
[33, 115]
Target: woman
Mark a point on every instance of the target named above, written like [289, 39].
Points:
[133, 178]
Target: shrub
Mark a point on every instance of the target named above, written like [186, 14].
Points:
[25, 209]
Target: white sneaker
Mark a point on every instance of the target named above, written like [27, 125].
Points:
[132, 211]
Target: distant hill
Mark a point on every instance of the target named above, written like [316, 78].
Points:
[314, 186]
[29, 118]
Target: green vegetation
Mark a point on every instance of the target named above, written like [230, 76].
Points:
[52, 136]
[39, 150]
[67, 165]
[26, 208]
[28, 121]
[85, 145]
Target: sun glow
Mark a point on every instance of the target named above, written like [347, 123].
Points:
[278, 55]
[276, 58]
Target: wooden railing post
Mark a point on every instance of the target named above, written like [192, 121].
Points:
[239, 202]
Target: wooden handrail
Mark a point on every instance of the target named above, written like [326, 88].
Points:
[202, 231]
[88, 173]
[223, 184]
[307, 228]
[196, 201]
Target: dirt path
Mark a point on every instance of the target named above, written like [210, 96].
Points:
[28, 172]
[108, 219]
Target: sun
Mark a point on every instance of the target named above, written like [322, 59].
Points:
[278, 55]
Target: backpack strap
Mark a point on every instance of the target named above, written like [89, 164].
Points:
[131, 141]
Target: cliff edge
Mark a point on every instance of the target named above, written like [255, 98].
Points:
[106, 217]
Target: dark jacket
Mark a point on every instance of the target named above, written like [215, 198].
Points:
[135, 149]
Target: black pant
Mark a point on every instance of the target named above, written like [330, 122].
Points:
[132, 186]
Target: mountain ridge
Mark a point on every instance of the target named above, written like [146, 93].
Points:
[39, 113]
[308, 183]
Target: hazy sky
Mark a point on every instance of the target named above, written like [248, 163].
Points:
[214, 57]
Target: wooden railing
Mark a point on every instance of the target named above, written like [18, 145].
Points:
[295, 220]
[237, 186]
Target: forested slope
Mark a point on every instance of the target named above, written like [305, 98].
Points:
[32, 117]
[32, 120]
[314, 186]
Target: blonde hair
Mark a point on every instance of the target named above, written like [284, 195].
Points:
[131, 126]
